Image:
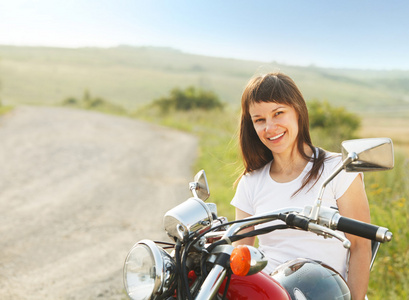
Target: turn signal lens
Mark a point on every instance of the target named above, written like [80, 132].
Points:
[240, 260]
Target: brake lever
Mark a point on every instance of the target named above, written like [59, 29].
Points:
[327, 232]
[303, 222]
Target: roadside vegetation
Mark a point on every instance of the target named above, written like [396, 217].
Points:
[4, 108]
[189, 99]
[388, 195]
[93, 103]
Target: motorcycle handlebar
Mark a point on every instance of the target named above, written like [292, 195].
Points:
[331, 219]
[365, 230]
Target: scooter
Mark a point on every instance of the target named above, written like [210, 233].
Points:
[201, 262]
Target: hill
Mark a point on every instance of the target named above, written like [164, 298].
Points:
[132, 76]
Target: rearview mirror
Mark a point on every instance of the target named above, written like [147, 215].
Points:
[362, 155]
[200, 186]
[372, 154]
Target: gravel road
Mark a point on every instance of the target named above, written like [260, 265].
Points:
[77, 190]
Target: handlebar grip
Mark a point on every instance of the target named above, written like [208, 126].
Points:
[297, 221]
[365, 230]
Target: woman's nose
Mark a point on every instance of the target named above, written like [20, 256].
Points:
[270, 126]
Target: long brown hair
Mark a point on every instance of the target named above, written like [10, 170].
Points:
[281, 89]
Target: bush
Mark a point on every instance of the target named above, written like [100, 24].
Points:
[93, 103]
[331, 125]
[189, 99]
[70, 101]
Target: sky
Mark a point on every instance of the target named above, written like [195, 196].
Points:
[362, 34]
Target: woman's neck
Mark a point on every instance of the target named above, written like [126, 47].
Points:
[288, 165]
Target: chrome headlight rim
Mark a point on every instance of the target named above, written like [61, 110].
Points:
[161, 270]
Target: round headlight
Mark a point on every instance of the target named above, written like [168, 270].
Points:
[148, 270]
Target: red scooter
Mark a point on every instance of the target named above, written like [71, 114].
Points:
[201, 262]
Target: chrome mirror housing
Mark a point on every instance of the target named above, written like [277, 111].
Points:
[199, 187]
[194, 215]
[372, 154]
[361, 155]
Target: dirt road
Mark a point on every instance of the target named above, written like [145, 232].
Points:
[77, 190]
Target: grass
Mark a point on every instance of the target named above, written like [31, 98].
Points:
[5, 109]
[388, 194]
[394, 126]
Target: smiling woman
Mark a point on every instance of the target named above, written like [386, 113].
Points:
[283, 168]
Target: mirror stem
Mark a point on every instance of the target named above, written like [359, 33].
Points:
[193, 188]
[317, 205]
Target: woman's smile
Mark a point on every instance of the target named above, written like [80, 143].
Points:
[275, 138]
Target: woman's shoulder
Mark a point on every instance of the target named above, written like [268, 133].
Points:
[329, 158]
[259, 173]
[332, 160]
[332, 156]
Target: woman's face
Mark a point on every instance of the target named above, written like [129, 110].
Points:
[276, 125]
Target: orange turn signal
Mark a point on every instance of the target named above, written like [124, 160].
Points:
[240, 260]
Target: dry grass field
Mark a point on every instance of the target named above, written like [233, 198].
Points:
[395, 128]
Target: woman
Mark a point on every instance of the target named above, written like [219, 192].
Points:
[284, 169]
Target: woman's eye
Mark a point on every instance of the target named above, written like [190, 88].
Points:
[278, 113]
[258, 120]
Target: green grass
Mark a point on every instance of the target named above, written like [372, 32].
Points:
[388, 194]
[5, 109]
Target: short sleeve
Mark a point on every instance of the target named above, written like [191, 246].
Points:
[242, 199]
[342, 181]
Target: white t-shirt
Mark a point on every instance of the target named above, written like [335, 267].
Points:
[258, 193]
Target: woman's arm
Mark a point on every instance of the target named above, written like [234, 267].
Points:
[247, 241]
[354, 204]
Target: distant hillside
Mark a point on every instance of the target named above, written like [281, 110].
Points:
[132, 76]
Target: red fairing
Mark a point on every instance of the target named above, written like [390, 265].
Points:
[258, 286]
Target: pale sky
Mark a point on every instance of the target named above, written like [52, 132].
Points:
[364, 34]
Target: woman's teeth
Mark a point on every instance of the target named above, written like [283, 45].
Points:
[276, 137]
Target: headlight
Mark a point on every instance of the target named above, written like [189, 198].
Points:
[148, 271]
